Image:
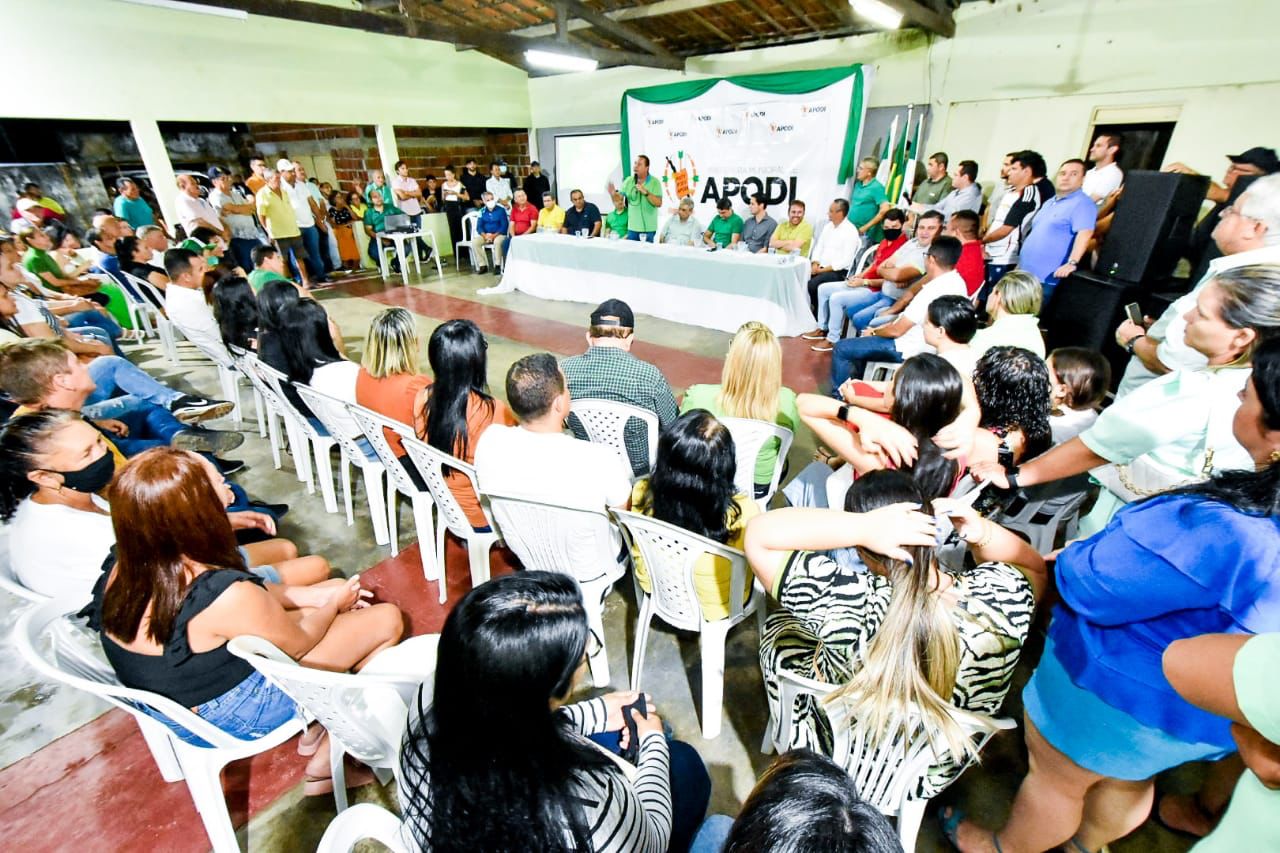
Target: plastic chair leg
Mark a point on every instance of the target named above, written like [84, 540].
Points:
[599, 662]
[324, 473]
[271, 432]
[439, 557]
[393, 517]
[346, 489]
[205, 784]
[259, 409]
[161, 746]
[373, 489]
[478, 560]
[424, 525]
[711, 642]
[338, 767]
[909, 822]
[642, 639]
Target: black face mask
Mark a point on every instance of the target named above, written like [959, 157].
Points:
[93, 477]
[892, 234]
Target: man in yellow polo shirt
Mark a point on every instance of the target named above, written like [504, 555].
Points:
[551, 217]
[275, 210]
[794, 235]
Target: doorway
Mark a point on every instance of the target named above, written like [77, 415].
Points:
[1144, 145]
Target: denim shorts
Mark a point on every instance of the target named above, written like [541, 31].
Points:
[247, 711]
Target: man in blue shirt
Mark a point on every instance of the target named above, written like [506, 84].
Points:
[491, 229]
[582, 218]
[1061, 230]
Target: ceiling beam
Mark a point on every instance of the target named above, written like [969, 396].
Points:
[605, 24]
[631, 13]
[925, 16]
[505, 46]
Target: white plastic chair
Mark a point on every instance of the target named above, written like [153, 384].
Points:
[361, 821]
[400, 483]
[164, 327]
[880, 371]
[749, 437]
[1048, 508]
[669, 555]
[605, 422]
[9, 581]
[303, 435]
[364, 714]
[468, 234]
[573, 541]
[322, 405]
[431, 463]
[141, 311]
[838, 485]
[777, 734]
[200, 766]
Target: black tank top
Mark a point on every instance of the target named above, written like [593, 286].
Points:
[188, 678]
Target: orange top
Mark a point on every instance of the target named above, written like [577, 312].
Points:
[393, 396]
[478, 420]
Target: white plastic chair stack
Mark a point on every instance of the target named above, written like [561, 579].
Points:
[669, 555]
[431, 463]
[468, 233]
[888, 775]
[605, 422]
[200, 766]
[578, 542]
[364, 714]
[399, 483]
[322, 405]
[749, 437]
[361, 821]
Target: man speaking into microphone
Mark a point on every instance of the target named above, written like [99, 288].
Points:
[643, 193]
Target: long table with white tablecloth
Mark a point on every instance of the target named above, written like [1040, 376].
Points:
[717, 290]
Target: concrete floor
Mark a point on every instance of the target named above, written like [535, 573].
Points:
[32, 713]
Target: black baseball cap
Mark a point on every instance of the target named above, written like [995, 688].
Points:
[613, 312]
[217, 172]
[1264, 158]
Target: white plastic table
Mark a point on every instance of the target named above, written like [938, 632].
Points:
[399, 239]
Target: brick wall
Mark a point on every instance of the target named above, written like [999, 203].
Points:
[427, 150]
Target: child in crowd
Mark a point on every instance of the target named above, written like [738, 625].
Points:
[1079, 379]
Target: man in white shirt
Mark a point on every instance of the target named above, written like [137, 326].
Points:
[185, 305]
[538, 460]
[300, 199]
[1105, 177]
[193, 211]
[835, 251]
[499, 184]
[904, 337]
[1248, 232]
[236, 210]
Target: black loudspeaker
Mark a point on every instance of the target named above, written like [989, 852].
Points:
[1152, 226]
[1084, 311]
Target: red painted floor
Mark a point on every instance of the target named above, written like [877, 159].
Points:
[84, 782]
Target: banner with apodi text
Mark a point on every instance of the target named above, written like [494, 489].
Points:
[789, 136]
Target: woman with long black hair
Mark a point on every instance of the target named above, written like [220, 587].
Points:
[459, 407]
[499, 761]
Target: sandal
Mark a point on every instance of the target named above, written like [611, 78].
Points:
[950, 818]
[310, 740]
[357, 776]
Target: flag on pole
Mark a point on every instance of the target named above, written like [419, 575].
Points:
[897, 170]
[914, 157]
[886, 159]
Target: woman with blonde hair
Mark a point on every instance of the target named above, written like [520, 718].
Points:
[904, 636]
[750, 387]
[1014, 310]
[391, 381]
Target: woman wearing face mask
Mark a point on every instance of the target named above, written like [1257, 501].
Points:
[53, 467]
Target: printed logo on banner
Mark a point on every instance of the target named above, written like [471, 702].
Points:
[781, 128]
[813, 109]
[676, 134]
[677, 181]
[654, 122]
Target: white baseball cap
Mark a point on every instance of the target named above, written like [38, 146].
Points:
[284, 166]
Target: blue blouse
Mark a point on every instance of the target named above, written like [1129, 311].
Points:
[1162, 570]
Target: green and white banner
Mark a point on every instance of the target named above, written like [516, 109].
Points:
[792, 135]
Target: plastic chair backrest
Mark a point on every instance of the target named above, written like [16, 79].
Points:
[367, 721]
[749, 437]
[66, 665]
[275, 382]
[553, 538]
[670, 555]
[373, 424]
[864, 260]
[431, 463]
[152, 292]
[135, 291]
[364, 820]
[605, 422]
[469, 221]
[322, 406]
[9, 580]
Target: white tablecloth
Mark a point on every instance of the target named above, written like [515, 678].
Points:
[716, 290]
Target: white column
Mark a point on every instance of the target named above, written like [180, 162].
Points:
[387, 150]
[155, 159]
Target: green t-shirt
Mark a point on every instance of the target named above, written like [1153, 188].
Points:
[1252, 821]
[707, 397]
[38, 261]
[864, 204]
[259, 277]
[377, 221]
[931, 192]
[722, 230]
[642, 214]
[615, 221]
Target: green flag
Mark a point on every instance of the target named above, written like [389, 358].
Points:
[898, 169]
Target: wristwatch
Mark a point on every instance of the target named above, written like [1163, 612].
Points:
[1132, 342]
[1011, 474]
[842, 413]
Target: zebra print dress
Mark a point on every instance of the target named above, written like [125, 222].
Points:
[829, 615]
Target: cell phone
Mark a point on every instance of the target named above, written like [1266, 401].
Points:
[632, 752]
[1134, 312]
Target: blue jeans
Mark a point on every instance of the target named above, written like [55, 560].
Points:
[114, 375]
[690, 787]
[852, 355]
[995, 272]
[712, 835]
[643, 236]
[149, 425]
[1048, 286]
[248, 711]
[101, 327]
[311, 241]
[864, 317]
[242, 250]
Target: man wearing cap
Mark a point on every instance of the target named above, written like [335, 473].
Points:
[1251, 163]
[643, 193]
[535, 183]
[299, 196]
[608, 371]
[130, 206]
[194, 211]
[236, 209]
[275, 209]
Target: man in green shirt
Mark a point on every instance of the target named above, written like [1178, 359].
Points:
[268, 265]
[725, 229]
[794, 235]
[615, 221]
[644, 196]
[938, 185]
[868, 203]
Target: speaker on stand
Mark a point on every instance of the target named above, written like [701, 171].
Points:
[1152, 227]
[1084, 311]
